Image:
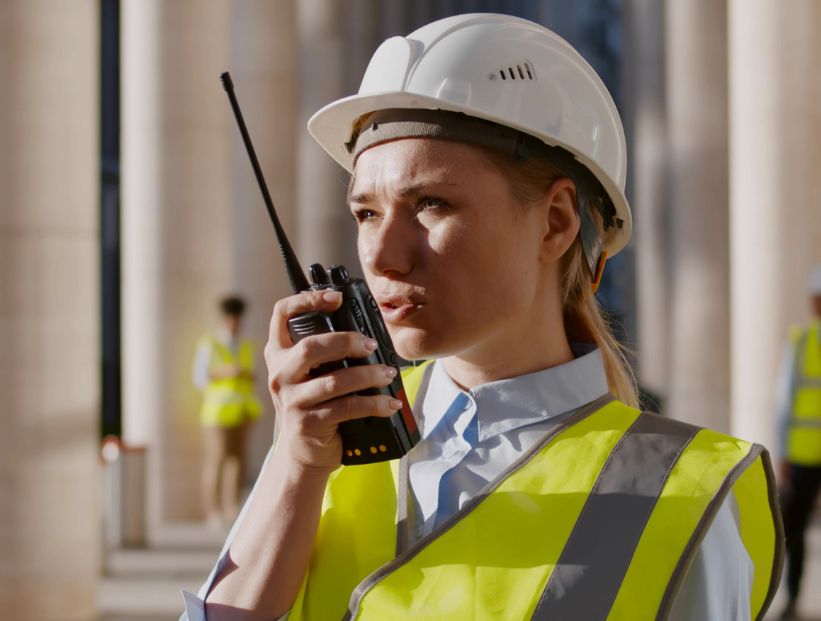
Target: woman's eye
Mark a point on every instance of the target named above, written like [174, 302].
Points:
[430, 202]
[363, 215]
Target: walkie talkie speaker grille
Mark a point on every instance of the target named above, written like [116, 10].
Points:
[311, 323]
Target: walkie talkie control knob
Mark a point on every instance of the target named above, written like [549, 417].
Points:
[339, 275]
[318, 275]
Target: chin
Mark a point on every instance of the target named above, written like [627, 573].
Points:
[418, 344]
[410, 351]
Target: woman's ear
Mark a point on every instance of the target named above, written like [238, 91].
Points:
[562, 219]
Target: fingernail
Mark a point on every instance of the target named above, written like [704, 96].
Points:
[390, 371]
[395, 404]
[370, 344]
[331, 296]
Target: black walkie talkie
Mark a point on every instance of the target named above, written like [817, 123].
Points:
[365, 440]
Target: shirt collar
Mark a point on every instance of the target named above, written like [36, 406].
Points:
[508, 404]
[440, 393]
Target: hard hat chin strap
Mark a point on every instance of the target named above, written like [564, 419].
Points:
[590, 233]
[596, 211]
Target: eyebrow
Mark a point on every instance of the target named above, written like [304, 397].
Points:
[414, 189]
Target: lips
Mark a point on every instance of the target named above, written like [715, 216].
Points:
[399, 307]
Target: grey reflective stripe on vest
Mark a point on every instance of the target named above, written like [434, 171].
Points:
[598, 552]
[805, 422]
[405, 509]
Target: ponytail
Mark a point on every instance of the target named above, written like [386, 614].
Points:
[584, 322]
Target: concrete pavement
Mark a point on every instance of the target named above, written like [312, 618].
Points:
[146, 584]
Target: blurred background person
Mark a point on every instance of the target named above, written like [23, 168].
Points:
[800, 415]
[224, 372]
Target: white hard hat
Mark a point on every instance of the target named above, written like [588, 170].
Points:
[815, 281]
[503, 69]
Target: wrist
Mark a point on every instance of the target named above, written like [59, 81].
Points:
[293, 466]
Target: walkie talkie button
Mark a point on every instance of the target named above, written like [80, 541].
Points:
[372, 303]
[339, 275]
[318, 275]
[359, 318]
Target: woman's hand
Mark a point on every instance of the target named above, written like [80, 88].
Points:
[309, 409]
[269, 556]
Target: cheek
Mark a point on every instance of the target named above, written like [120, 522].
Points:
[370, 249]
[479, 275]
[362, 254]
[508, 269]
[491, 251]
[363, 245]
[463, 239]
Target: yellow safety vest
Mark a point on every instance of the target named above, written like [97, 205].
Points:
[804, 431]
[230, 402]
[600, 520]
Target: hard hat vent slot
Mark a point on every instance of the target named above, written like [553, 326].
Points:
[519, 71]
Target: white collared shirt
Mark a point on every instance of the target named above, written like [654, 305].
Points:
[512, 415]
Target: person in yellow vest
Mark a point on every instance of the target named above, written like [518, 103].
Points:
[224, 372]
[800, 413]
[488, 170]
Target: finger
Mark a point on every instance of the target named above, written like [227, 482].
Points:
[315, 350]
[353, 407]
[322, 301]
[340, 383]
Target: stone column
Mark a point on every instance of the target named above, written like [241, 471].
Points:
[696, 73]
[50, 530]
[775, 133]
[194, 227]
[264, 67]
[325, 230]
[647, 143]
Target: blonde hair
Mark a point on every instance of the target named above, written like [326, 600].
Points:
[583, 319]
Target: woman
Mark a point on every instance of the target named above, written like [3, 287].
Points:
[488, 174]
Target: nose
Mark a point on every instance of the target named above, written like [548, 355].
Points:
[387, 248]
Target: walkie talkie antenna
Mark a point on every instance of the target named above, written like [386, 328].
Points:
[295, 273]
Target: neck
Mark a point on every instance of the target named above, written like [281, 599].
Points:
[229, 334]
[540, 343]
